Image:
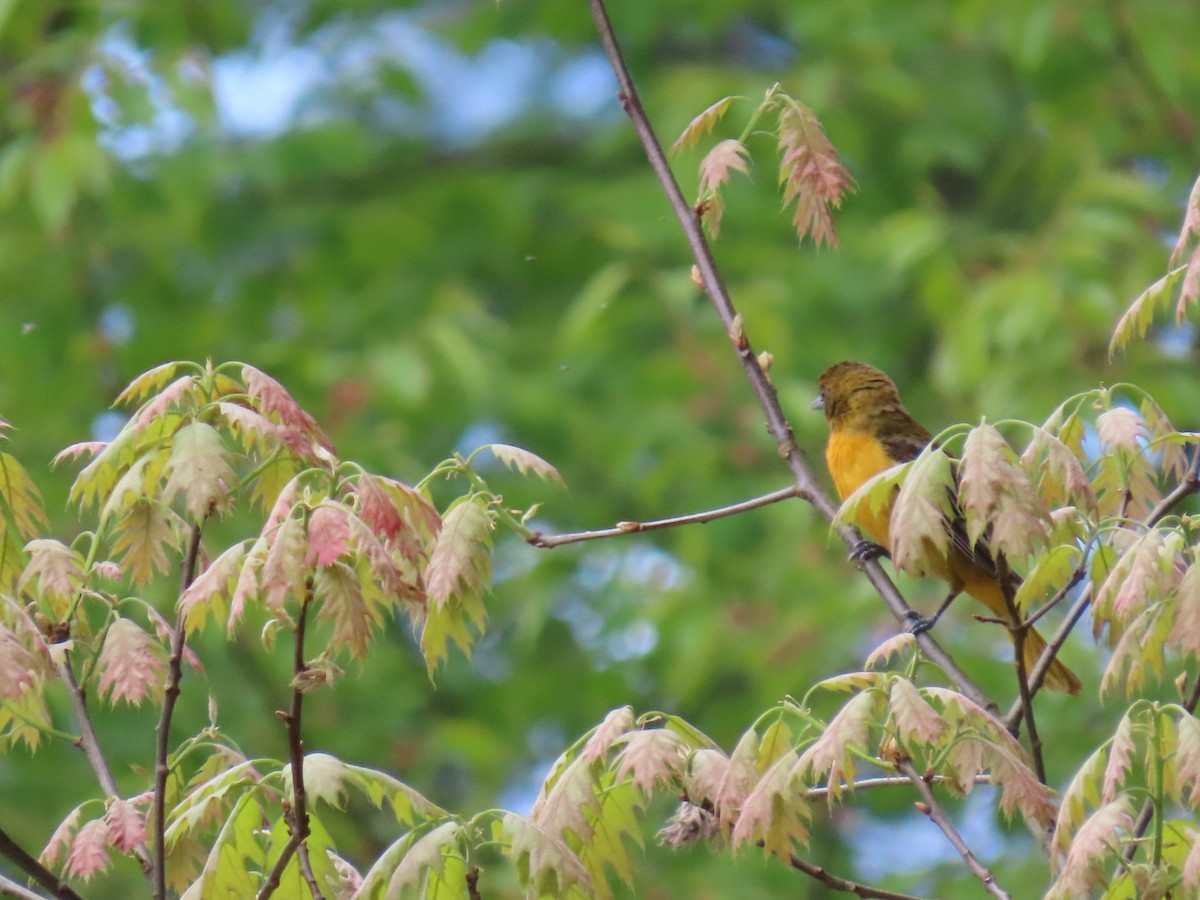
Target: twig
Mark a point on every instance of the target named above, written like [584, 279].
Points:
[34, 869]
[547, 541]
[1017, 712]
[298, 816]
[887, 781]
[807, 485]
[1020, 631]
[1188, 485]
[1058, 598]
[163, 730]
[841, 884]
[10, 888]
[472, 878]
[935, 814]
[89, 742]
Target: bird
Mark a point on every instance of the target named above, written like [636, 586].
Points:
[870, 431]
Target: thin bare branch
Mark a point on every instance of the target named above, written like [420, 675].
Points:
[1020, 631]
[887, 781]
[297, 815]
[807, 485]
[163, 730]
[538, 539]
[1190, 484]
[933, 810]
[1017, 712]
[841, 884]
[10, 888]
[1077, 576]
[34, 869]
[89, 742]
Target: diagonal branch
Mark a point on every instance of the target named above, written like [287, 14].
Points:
[34, 869]
[89, 741]
[548, 541]
[933, 810]
[10, 888]
[807, 485]
[841, 884]
[163, 730]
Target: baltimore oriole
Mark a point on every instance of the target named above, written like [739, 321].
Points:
[869, 431]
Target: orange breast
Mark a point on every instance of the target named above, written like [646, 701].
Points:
[853, 459]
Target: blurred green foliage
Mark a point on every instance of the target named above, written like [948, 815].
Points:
[423, 285]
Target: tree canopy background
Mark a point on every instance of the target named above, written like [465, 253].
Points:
[434, 225]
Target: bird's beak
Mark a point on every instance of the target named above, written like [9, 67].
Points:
[818, 402]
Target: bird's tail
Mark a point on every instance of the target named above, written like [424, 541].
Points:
[1058, 676]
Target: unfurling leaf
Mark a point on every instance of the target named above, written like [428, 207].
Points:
[431, 873]
[131, 666]
[273, 401]
[830, 756]
[126, 826]
[775, 812]
[1093, 851]
[702, 124]
[209, 593]
[283, 568]
[1186, 760]
[1135, 321]
[56, 568]
[920, 513]
[89, 853]
[458, 573]
[1121, 428]
[810, 172]
[21, 497]
[715, 169]
[1120, 755]
[614, 726]
[328, 535]
[917, 723]
[1059, 475]
[18, 666]
[897, 643]
[997, 497]
[144, 533]
[60, 841]
[199, 470]
[342, 601]
[544, 862]
[652, 756]
[147, 383]
[524, 461]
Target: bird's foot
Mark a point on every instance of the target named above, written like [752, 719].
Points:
[915, 623]
[866, 550]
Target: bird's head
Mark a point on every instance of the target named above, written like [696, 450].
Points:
[853, 393]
